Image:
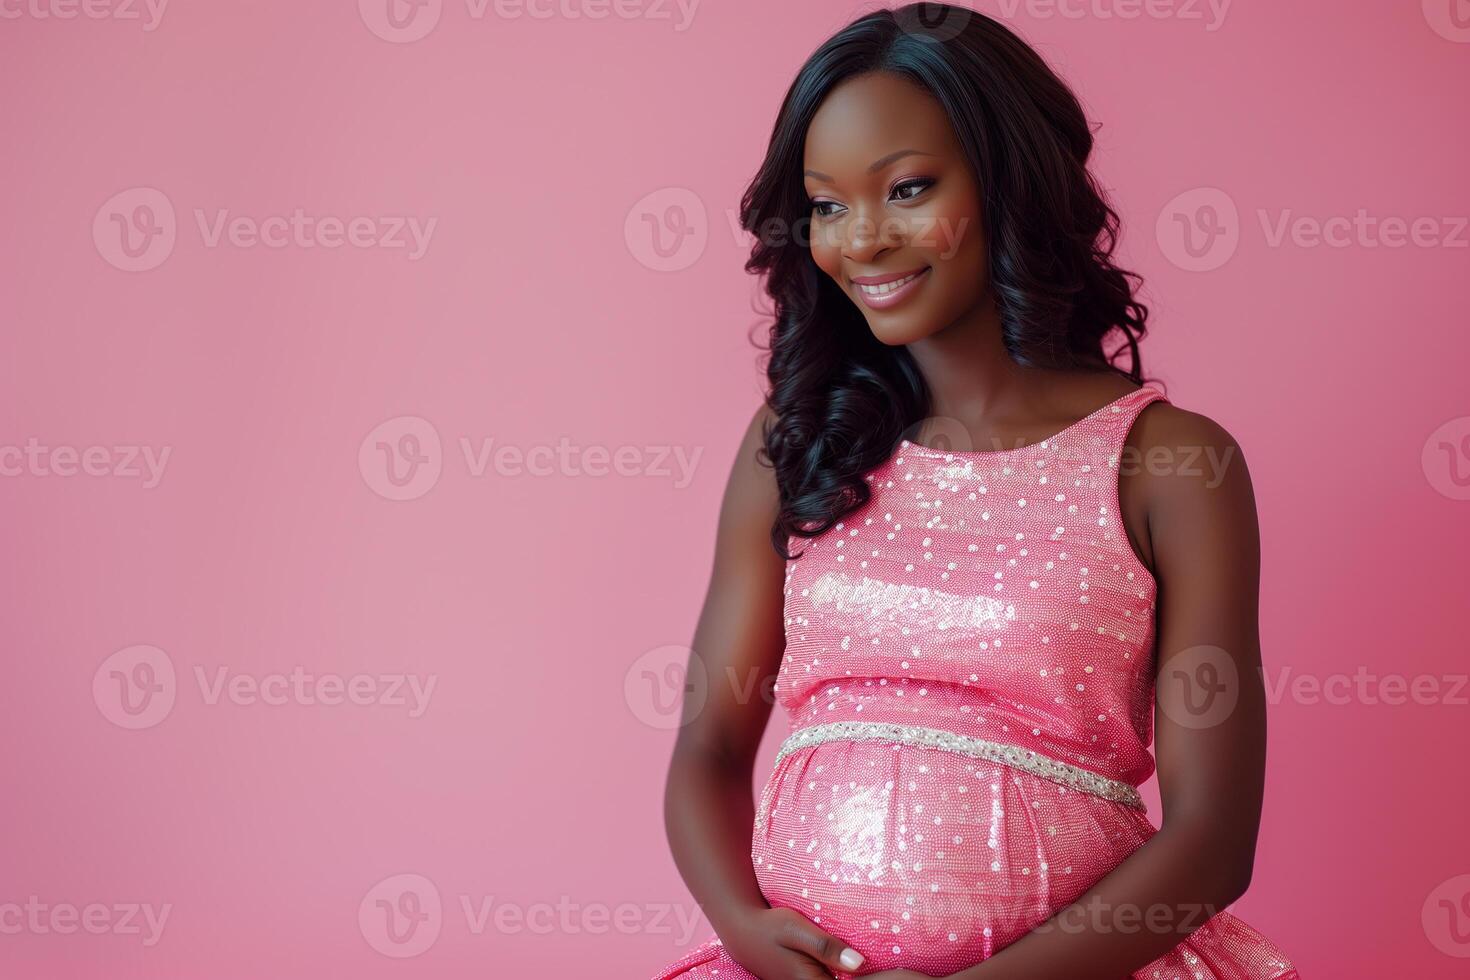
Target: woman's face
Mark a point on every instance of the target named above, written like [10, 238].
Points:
[893, 197]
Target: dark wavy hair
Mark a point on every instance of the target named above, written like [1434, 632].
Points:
[841, 398]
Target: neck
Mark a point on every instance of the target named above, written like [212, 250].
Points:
[968, 370]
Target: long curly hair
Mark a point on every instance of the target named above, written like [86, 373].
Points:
[841, 398]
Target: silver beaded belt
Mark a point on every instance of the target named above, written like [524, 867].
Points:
[1046, 767]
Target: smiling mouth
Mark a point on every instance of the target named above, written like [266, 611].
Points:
[883, 288]
[889, 292]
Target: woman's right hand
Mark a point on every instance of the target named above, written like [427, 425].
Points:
[783, 944]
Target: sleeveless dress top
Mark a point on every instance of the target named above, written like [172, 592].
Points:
[969, 678]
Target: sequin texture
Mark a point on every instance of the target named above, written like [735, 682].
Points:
[968, 676]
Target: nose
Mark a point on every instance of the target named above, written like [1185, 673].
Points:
[865, 238]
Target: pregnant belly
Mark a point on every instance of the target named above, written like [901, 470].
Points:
[928, 860]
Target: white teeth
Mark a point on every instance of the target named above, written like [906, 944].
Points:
[888, 287]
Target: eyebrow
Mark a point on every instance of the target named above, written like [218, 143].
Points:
[873, 168]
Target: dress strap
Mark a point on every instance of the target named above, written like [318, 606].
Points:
[1126, 410]
[1110, 433]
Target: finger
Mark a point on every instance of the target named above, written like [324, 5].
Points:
[821, 946]
[810, 969]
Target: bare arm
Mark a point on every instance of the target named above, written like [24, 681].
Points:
[1210, 739]
[708, 805]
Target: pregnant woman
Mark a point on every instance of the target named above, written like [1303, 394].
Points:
[981, 566]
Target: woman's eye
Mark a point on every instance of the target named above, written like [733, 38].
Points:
[915, 186]
[906, 191]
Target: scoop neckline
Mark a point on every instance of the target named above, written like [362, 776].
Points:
[908, 445]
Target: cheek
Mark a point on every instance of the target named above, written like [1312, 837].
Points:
[950, 234]
[826, 251]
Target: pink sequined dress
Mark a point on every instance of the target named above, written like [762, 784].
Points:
[968, 675]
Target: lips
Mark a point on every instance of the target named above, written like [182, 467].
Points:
[892, 277]
[883, 292]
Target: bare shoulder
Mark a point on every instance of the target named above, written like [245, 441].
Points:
[1171, 433]
[1190, 471]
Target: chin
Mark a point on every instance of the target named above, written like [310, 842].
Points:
[901, 329]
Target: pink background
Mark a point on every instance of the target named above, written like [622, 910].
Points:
[542, 311]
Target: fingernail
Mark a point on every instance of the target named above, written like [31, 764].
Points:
[850, 959]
